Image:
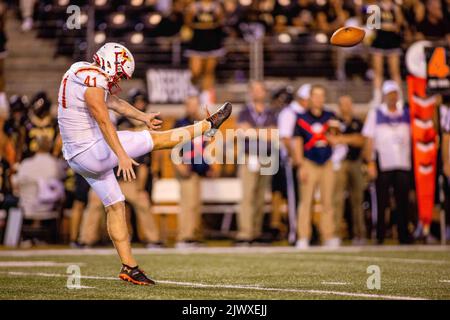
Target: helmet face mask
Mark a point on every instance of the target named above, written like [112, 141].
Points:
[117, 62]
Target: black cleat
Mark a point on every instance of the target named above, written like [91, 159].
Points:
[135, 276]
[218, 118]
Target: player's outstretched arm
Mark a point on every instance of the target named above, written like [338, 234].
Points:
[124, 108]
[95, 101]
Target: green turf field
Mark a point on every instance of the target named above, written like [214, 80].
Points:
[232, 273]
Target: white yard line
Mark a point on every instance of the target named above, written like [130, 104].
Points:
[392, 259]
[335, 283]
[445, 281]
[33, 264]
[230, 286]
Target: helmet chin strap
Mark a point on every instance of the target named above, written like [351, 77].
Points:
[114, 88]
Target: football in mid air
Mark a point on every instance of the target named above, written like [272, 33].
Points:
[347, 36]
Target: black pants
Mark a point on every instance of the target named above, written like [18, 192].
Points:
[399, 181]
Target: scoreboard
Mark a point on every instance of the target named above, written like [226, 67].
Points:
[438, 70]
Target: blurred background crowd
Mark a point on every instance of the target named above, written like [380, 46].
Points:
[341, 182]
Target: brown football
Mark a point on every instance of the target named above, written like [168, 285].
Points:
[347, 36]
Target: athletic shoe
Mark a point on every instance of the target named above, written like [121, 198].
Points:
[27, 24]
[242, 243]
[359, 242]
[332, 243]
[217, 118]
[135, 276]
[189, 244]
[302, 244]
[154, 245]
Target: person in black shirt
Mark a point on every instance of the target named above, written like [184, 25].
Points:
[434, 26]
[386, 45]
[205, 17]
[349, 174]
[331, 16]
[40, 123]
[15, 126]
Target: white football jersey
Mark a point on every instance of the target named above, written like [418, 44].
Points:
[78, 128]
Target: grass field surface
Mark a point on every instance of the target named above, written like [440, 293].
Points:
[414, 272]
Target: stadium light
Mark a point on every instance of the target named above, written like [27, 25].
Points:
[321, 2]
[100, 37]
[284, 38]
[137, 38]
[83, 18]
[118, 18]
[137, 3]
[245, 3]
[154, 19]
[100, 3]
[63, 3]
[321, 38]
[284, 3]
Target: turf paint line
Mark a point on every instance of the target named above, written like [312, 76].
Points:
[335, 283]
[445, 281]
[221, 250]
[231, 286]
[391, 259]
[33, 264]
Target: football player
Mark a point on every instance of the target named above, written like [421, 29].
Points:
[93, 147]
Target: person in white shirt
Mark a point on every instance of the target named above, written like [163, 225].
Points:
[388, 153]
[39, 181]
[93, 148]
[445, 155]
[286, 124]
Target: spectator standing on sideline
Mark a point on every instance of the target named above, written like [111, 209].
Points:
[312, 152]
[190, 174]
[4, 107]
[253, 118]
[445, 156]
[349, 176]
[388, 133]
[286, 125]
[280, 100]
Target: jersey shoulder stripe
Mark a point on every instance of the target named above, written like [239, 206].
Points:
[88, 75]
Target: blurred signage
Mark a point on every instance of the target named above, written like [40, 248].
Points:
[168, 85]
[438, 70]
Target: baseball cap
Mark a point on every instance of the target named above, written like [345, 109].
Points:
[304, 91]
[389, 86]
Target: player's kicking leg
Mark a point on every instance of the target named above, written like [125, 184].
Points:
[170, 138]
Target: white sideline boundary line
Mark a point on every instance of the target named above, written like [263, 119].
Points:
[33, 264]
[215, 250]
[244, 250]
[444, 281]
[230, 286]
